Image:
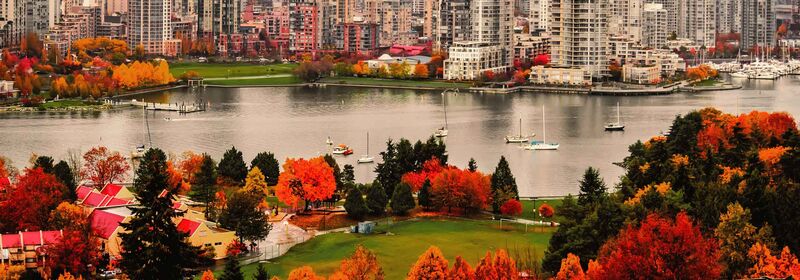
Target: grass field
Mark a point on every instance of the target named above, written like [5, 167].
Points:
[291, 80]
[223, 70]
[707, 83]
[528, 206]
[391, 82]
[469, 239]
[65, 104]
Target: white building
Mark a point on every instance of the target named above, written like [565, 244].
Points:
[641, 74]
[573, 76]
[493, 22]
[654, 26]
[729, 16]
[674, 13]
[699, 21]
[625, 19]
[579, 35]
[149, 25]
[468, 60]
[539, 15]
[758, 24]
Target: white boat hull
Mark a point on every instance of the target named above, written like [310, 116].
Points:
[517, 139]
[542, 147]
[440, 133]
[366, 160]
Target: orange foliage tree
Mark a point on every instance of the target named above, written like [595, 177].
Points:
[430, 169]
[421, 71]
[431, 265]
[461, 270]
[362, 265]
[305, 180]
[456, 188]
[767, 265]
[139, 74]
[304, 273]
[499, 267]
[571, 269]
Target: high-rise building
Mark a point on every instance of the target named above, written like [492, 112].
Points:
[579, 35]
[673, 8]
[111, 7]
[217, 17]
[698, 22]
[625, 19]
[539, 14]
[758, 24]
[304, 32]
[654, 25]
[455, 24]
[729, 16]
[430, 21]
[149, 25]
[11, 22]
[394, 19]
[41, 15]
[493, 22]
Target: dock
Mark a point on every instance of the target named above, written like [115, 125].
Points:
[181, 108]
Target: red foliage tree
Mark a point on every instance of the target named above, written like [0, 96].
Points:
[73, 253]
[661, 249]
[499, 267]
[27, 205]
[541, 59]
[305, 180]
[461, 270]
[546, 210]
[102, 166]
[512, 207]
[456, 188]
[430, 169]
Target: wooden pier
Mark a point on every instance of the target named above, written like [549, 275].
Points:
[181, 108]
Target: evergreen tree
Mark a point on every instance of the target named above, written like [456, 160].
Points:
[204, 187]
[156, 248]
[348, 178]
[472, 166]
[64, 174]
[244, 216]
[337, 175]
[45, 163]
[376, 199]
[424, 196]
[504, 186]
[402, 200]
[261, 273]
[388, 171]
[232, 168]
[592, 187]
[268, 165]
[355, 205]
[233, 270]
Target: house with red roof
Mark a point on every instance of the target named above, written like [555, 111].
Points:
[110, 196]
[205, 234]
[26, 247]
[106, 225]
[117, 191]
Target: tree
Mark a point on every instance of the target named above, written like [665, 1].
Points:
[45, 163]
[261, 273]
[376, 199]
[304, 273]
[11, 272]
[207, 275]
[68, 216]
[361, 265]
[245, 216]
[546, 210]
[504, 186]
[592, 187]
[75, 253]
[461, 270]
[512, 207]
[26, 206]
[232, 169]
[661, 249]
[103, 167]
[402, 200]
[541, 59]
[305, 180]
[204, 185]
[155, 248]
[424, 196]
[354, 204]
[255, 183]
[499, 267]
[472, 166]
[736, 236]
[233, 270]
[64, 174]
[431, 265]
[389, 172]
[571, 269]
[767, 265]
[421, 71]
[337, 176]
[268, 165]
[461, 189]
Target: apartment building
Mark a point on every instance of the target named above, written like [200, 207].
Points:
[758, 24]
[149, 25]
[579, 35]
[493, 22]
[468, 60]
[655, 20]
[455, 24]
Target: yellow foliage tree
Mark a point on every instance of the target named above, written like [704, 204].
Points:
[11, 272]
[68, 216]
[256, 183]
[304, 273]
[431, 265]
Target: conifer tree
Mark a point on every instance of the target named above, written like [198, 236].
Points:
[376, 199]
[204, 186]
[504, 186]
[424, 196]
[233, 270]
[402, 200]
[232, 168]
[355, 205]
[269, 167]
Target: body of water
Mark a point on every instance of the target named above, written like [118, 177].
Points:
[295, 122]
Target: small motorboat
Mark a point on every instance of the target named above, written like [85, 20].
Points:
[440, 133]
[342, 149]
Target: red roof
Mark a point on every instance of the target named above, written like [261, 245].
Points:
[30, 238]
[104, 223]
[111, 190]
[188, 226]
[84, 191]
[10, 240]
[96, 200]
[177, 205]
[410, 50]
[116, 202]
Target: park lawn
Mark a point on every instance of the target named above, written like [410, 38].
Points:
[528, 206]
[707, 83]
[470, 239]
[65, 104]
[222, 70]
[393, 82]
[291, 80]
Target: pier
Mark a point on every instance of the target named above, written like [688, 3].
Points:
[181, 108]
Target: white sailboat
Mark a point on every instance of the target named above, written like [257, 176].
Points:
[543, 145]
[442, 132]
[519, 138]
[366, 158]
[140, 150]
[615, 126]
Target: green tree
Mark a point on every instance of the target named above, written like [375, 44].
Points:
[244, 216]
[424, 196]
[504, 186]
[204, 187]
[233, 270]
[388, 171]
[158, 249]
[354, 204]
[402, 200]
[268, 165]
[348, 178]
[337, 175]
[593, 188]
[232, 168]
[736, 236]
[261, 273]
[472, 166]
[376, 198]
[64, 174]
[45, 163]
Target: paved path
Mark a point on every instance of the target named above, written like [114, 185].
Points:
[248, 77]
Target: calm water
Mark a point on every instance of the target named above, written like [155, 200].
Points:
[294, 122]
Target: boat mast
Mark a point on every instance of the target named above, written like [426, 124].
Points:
[520, 127]
[367, 143]
[147, 126]
[444, 105]
[544, 127]
[618, 122]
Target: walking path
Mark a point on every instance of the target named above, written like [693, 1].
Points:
[248, 77]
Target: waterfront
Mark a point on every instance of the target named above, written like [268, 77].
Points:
[294, 122]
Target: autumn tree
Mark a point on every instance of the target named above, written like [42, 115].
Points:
[659, 249]
[499, 267]
[402, 200]
[545, 210]
[232, 169]
[355, 205]
[461, 270]
[156, 249]
[304, 273]
[461, 189]
[75, 253]
[504, 186]
[305, 180]
[207, 275]
[189, 165]
[512, 207]
[736, 236]
[255, 183]
[361, 265]
[102, 166]
[421, 71]
[204, 185]
[431, 265]
[68, 216]
[27, 204]
[245, 216]
[376, 199]
[767, 265]
[571, 269]
[268, 165]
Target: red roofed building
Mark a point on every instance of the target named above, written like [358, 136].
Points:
[407, 50]
[106, 224]
[203, 235]
[117, 191]
[24, 247]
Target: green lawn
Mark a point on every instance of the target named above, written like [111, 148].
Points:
[256, 82]
[65, 104]
[392, 82]
[527, 207]
[707, 83]
[222, 70]
[469, 239]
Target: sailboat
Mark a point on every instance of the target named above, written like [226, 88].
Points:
[519, 138]
[139, 151]
[615, 126]
[442, 132]
[366, 158]
[543, 145]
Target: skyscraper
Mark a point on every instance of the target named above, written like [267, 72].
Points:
[698, 21]
[625, 19]
[654, 25]
[729, 16]
[455, 22]
[217, 17]
[493, 22]
[539, 14]
[149, 25]
[758, 24]
[579, 34]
